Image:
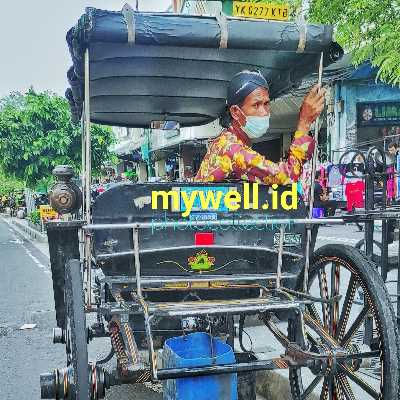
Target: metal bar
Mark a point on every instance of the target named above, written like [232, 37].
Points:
[83, 148]
[311, 195]
[106, 256]
[173, 373]
[398, 284]
[307, 260]
[198, 278]
[227, 309]
[280, 257]
[87, 173]
[88, 155]
[88, 263]
[149, 337]
[170, 224]
[137, 261]
[369, 206]
[384, 255]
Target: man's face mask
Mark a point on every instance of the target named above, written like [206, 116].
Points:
[255, 126]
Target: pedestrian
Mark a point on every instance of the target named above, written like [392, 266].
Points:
[321, 198]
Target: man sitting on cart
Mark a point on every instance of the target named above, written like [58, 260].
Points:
[230, 155]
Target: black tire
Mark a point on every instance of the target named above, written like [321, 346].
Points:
[376, 305]
[376, 258]
[76, 335]
[361, 243]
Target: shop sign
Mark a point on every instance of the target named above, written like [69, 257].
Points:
[260, 10]
[378, 113]
[46, 212]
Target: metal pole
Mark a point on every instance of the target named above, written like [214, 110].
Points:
[369, 226]
[87, 173]
[137, 261]
[311, 196]
[83, 146]
[398, 286]
[384, 253]
[83, 141]
[88, 156]
[280, 256]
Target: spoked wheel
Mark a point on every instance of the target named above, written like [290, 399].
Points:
[364, 325]
[76, 342]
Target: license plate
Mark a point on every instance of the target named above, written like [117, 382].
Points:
[203, 217]
[257, 10]
[289, 239]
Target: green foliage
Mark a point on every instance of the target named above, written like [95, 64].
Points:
[34, 217]
[36, 134]
[9, 184]
[369, 29]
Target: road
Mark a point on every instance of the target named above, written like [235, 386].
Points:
[26, 289]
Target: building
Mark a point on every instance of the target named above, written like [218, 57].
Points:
[366, 112]
[129, 141]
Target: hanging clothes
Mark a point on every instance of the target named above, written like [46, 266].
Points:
[397, 178]
[334, 176]
[390, 188]
[355, 195]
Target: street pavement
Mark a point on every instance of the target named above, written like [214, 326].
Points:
[28, 298]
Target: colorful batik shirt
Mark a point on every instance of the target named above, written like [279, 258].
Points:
[230, 157]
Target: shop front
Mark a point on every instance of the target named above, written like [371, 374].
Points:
[378, 123]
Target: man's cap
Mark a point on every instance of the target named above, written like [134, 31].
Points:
[242, 84]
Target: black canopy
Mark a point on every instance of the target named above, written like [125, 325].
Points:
[151, 66]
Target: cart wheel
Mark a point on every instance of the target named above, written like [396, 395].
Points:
[360, 245]
[365, 325]
[76, 342]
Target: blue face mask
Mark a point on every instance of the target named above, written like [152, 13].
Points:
[255, 126]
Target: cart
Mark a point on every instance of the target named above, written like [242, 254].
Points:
[140, 272]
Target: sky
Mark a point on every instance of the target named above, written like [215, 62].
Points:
[33, 50]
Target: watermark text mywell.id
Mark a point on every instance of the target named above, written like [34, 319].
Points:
[209, 198]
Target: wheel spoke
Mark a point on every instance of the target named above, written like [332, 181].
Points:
[334, 308]
[331, 387]
[323, 289]
[344, 316]
[314, 325]
[355, 326]
[312, 339]
[325, 389]
[314, 313]
[345, 386]
[338, 393]
[356, 379]
[312, 386]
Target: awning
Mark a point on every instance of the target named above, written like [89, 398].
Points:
[151, 66]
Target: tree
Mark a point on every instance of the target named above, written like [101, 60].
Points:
[36, 134]
[9, 184]
[369, 29]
